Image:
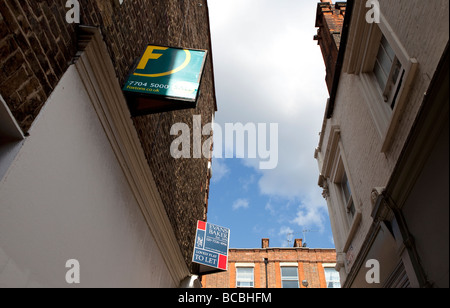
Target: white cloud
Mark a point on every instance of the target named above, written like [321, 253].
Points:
[247, 181]
[312, 212]
[269, 207]
[308, 217]
[286, 235]
[285, 231]
[240, 204]
[331, 240]
[268, 69]
[219, 170]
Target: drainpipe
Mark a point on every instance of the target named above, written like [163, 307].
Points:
[266, 262]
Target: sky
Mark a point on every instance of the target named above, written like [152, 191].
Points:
[268, 69]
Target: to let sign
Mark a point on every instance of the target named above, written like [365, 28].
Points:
[211, 247]
[165, 79]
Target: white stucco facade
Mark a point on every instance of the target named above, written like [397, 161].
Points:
[365, 140]
[65, 197]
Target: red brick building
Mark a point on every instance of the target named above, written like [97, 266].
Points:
[271, 267]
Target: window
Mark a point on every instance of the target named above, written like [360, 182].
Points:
[347, 197]
[345, 201]
[289, 277]
[345, 207]
[388, 72]
[245, 277]
[347, 210]
[332, 278]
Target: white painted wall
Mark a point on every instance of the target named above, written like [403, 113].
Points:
[65, 197]
[368, 167]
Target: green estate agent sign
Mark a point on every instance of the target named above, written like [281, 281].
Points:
[165, 79]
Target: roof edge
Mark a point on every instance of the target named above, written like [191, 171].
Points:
[340, 60]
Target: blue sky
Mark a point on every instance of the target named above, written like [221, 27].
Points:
[268, 69]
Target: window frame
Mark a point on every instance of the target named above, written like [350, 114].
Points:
[289, 278]
[252, 281]
[343, 205]
[349, 203]
[334, 164]
[365, 44]
[331, 267]
[351, 221]
[394, 77]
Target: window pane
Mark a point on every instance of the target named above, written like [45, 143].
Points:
[331, 274]
[383, 64]
[346, 188]
[290, 284]
[289, 277]
[289, 272]
[380, 75]
[385, 61]
[244, 273]
[351, 208]
[396, 71]
[389, 51]
[332, 278]
[244, 277]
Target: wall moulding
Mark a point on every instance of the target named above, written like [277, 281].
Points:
[97, 72]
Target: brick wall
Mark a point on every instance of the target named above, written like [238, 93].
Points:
[329, 20]
[35, 49]
[309, 266]
[37, 46]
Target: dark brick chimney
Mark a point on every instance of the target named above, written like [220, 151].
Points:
[298, 243]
